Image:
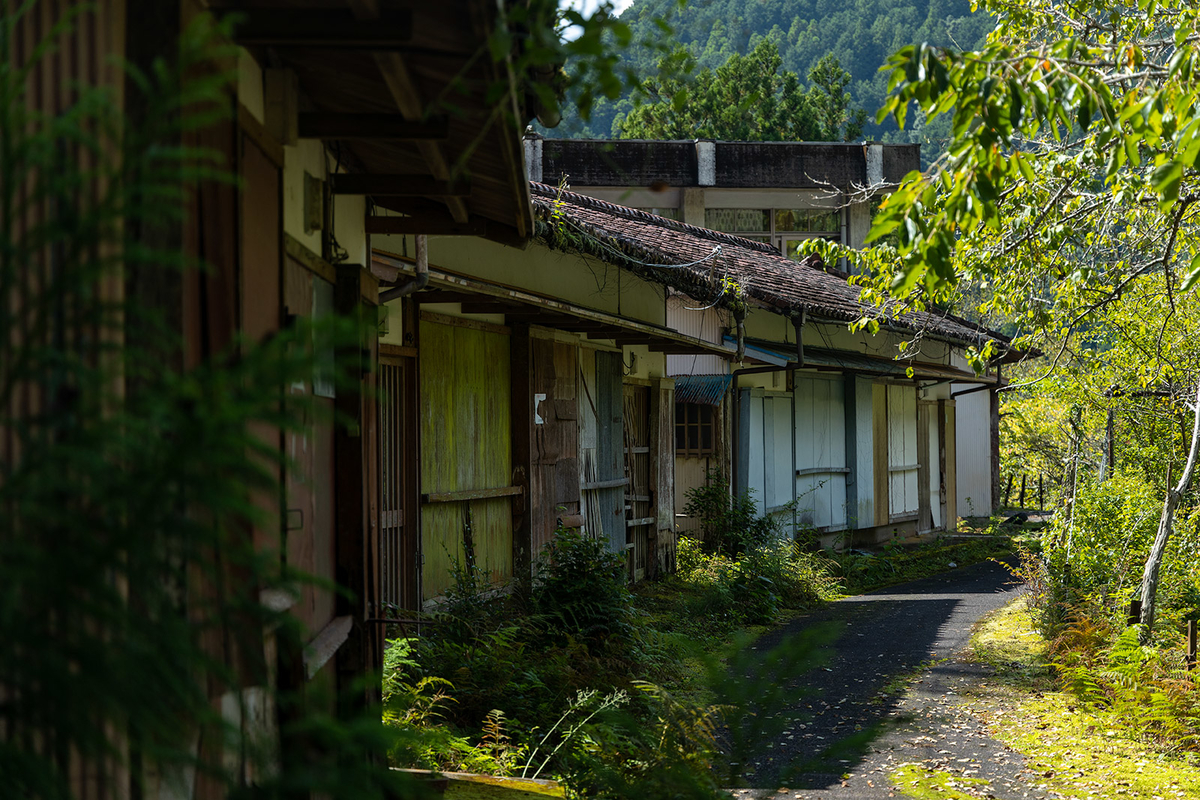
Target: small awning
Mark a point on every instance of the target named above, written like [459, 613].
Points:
[824, 359]
[707, 390]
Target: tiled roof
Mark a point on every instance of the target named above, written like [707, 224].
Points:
[628, 236]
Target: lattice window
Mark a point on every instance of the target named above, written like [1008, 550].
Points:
[694, 434]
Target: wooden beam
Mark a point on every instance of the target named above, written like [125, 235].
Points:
[545, 319]
[364, 9]
[678, 350]
[430, 226]
[327, 28]
[484, 307]
[372, 126]
[407, 97]
[398, 185]
[472, 494]
[442, 296]
[318, 652]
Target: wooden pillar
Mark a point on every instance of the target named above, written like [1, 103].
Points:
[521, 413]
[356, 547]
[994, 421]
[662, 476]
[411, 490]
[850, 415]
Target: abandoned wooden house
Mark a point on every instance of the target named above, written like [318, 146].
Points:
[859, 442]
[780, 194]
[330, 101]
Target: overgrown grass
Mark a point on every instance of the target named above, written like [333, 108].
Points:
[609, 690]
[921, 783]
[617, 692]
[896, 563]
[1099, 747]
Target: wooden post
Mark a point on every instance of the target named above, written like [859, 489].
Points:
[1008, 489]
[1135, 612]
[521, 372]
[1191, 651]
[1022, 502]
[356, 546]
[1041, 496]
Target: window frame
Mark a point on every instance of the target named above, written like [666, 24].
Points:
[704, 419]
[779, 238]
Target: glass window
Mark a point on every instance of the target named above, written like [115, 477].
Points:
[825, 221]
[803, 220]
[737, 220]
[693, 429]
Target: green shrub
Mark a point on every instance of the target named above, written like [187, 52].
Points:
[753, 587]
[730, 524]
[581, 587]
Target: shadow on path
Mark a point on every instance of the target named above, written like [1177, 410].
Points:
[822, 724]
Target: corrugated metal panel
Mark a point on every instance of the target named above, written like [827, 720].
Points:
[706, 324]
[706, 390]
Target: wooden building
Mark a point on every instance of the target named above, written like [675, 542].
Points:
[859, 437]
[777, 193]
[330, 101]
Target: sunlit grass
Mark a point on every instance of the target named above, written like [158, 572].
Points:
[1076, 751]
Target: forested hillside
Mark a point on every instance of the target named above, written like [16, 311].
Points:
[861, 34]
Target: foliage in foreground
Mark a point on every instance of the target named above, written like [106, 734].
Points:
[601, 688]
[130, 579]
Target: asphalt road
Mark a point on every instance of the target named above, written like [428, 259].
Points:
[887, 694]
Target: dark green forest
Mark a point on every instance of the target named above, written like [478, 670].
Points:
[861, 34]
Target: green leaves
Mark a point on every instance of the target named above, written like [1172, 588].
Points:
[748, 98]
[1071, 150]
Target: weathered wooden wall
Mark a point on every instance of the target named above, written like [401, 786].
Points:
[662, 476]
[554, 454]
[641, 525]
[465, 448]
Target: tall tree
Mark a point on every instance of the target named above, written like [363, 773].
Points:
[748, 98]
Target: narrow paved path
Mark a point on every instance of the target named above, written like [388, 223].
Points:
[888, 694]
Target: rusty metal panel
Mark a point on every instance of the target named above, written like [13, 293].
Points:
[465, 445]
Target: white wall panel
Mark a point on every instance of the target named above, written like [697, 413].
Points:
[820, 422]
[902, 449]
[973, 451]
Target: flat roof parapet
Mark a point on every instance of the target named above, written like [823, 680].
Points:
[750, 165]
